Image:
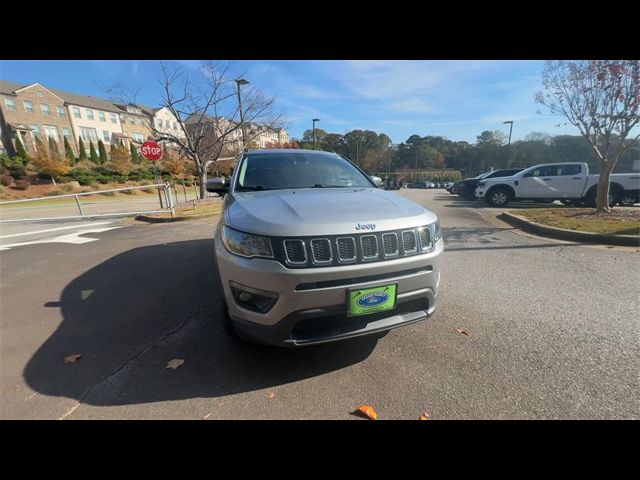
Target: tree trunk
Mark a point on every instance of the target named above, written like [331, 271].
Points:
[602, 198]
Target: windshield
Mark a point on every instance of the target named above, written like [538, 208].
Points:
[279, 171]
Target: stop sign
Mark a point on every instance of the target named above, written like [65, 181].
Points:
[151, 151]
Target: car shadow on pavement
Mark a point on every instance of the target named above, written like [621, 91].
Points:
[133, 313]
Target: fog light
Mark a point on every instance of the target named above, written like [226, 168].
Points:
[253, 299]
[244, 296]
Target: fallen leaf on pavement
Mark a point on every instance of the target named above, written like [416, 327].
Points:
[367, 411]
[271, 395]
[72, 358]
[175, 363]
[424, 416]
[459, 330]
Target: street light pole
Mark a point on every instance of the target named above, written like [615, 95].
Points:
[239, 83]
[314, 120]
[510, 122]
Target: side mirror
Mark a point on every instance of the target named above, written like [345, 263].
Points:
[217, 185]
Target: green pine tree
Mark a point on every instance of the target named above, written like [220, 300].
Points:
[103, 152]
[20, 150]
[68, 152]
[54, 151]
[93, 156]
[135, 158]
[83, 153]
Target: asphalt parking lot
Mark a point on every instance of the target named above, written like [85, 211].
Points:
[552, 333]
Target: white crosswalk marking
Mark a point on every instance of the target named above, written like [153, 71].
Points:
[73, 238]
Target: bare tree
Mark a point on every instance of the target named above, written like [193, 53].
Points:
[208, 115]
[602, 99]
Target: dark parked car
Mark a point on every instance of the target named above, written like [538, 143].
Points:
[467, 187]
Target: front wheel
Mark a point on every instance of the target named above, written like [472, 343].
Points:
[498, 197]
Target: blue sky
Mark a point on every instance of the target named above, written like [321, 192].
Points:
[456, 99]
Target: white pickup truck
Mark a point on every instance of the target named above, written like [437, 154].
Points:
[567, 182]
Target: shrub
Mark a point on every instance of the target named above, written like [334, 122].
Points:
[6, 180]
[21, 185]
[54, 192]
[68, 188]
[109, 194]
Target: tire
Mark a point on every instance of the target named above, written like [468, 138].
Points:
[614, 198]
[568, 203]
[498, 197]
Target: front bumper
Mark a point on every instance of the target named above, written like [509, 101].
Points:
[309, 312]
[480, 191]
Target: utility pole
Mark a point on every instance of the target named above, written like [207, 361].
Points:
[239, 83]
[314, 120]
[510, 122]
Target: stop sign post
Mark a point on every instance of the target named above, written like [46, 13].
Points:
[153, 152]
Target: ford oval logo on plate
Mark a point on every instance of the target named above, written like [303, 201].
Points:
[373, 299]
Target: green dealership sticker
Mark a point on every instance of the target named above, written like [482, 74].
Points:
[372, 300]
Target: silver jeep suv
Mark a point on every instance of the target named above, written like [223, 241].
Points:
[310, 250]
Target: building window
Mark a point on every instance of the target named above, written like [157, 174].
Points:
[89, 113]
[61, 112]
[102, 116]
[138, 137]
[28, 106]
[10, 103]
[140, 122]
[35, 130]
[46, 110]
[67, 133]
[175, 126]
[40, 95]
[159, 123]
[88, 134]
[166, 124]
[76, 112]
[112, 117]
[106, 136]
[51, 132]
[132, 120]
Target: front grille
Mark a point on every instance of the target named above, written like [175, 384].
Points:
[425, 238]
[346, 249]
[409, 243]
[334, 250]
[295, 252]
[390, 244]
[369, 245]
[321, 250]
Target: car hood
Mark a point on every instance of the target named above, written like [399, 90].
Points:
[323, 211]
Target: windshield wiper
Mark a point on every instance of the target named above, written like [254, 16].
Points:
[324, 185]
[255, 188]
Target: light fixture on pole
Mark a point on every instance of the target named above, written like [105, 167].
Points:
[510, 122]
[239, 83]
[314, 120]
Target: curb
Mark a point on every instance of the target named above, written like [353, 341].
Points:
[572, 235]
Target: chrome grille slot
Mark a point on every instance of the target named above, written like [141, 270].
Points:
[295, 252]
[346, 247]
[390, 245]
[425, 238]
[409, 241]
[321, 250]
[369, 246]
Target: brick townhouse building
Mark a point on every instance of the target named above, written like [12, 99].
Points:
[30, 110]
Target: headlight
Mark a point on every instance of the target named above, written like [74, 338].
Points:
[246, 244]
[437, 233]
